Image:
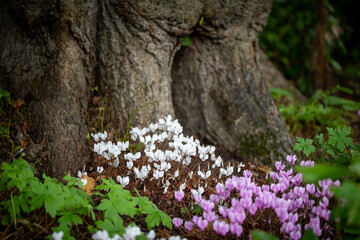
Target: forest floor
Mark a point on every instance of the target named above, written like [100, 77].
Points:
[17, 140]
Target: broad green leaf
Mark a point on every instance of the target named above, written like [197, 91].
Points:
[261, 235]
[309, 235]
[322, 171]
[68, 218]
[112, 226]
[304, 145]
[197, 209]
[339, 138]
[165, 219]
[153, 220]
[279, 92]
[108, 208]
[345, 89]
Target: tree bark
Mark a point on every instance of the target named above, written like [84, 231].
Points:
[54, 52]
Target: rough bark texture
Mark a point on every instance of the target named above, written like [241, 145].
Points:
[53, 52]
[218, 90]
[47, 58]
[274, 79]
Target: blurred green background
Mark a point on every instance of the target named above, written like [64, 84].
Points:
[315, 43]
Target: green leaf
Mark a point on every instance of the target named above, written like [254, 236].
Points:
[68, 218]
[304, 145]
[279, 92]
[6, 95]
[108, 208]
[115, 226]
[186, 41]
[165, 219]
[355, 165]
[339, 138]
[345, 89]
[153, 219]
[184, 210]
[197, 209]
[309, 235]
[261, 235]
[322, 171]
[350, 192]
[52, 204]
[201, 20]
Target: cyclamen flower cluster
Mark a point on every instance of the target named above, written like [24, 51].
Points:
[291, 200]
[130, 234]
[165, 150]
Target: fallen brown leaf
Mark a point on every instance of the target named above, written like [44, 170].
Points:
[18, 104]
[96, 99]
[90, 185]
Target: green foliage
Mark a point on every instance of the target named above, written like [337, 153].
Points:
[323, 110]
[341, 159]
[309, 235]
[186, 41]
[28, 194]
[118, 201]
[337, 148]
[197, 209]
[304, 145]
[339, 138]
[5, 95]
[260, 235]
[289, 35]
[69, 204]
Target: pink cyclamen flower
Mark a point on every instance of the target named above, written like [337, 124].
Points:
[291, 159]
[247, 174]
[179, 195]
[221, 227]
[252, 209]
[236, 229]
[197, 198]
[188, 225]
[177, 222]
[207, 206]
[279, 166]
[214, 198]
[202, 224]
[223, 211]
[196, 219]
[310, 188]
[210, 216]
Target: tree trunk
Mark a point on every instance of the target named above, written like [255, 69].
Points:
[54, 52]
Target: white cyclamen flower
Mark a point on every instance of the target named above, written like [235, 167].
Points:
[129, 164]
[204, 175]
[131, 233]
[151, 235]
[123, 180]
[84, 181]
[100, 235]
[100, 169]
[58, 235]
[200, 191]
[95, 137]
